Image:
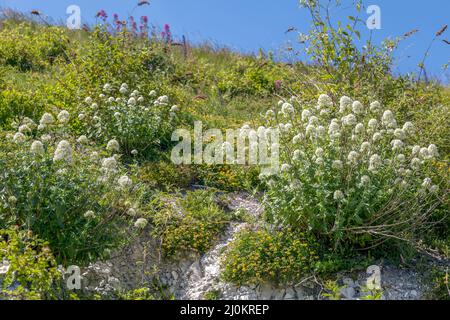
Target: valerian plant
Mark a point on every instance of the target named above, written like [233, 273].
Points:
[352, 175]
[141, 123]
[67, 190]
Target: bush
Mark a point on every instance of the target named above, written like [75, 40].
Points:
[191, 224]
[64, 191]
[351, 175]
[27, 267]
[280, 257]
[141, 123]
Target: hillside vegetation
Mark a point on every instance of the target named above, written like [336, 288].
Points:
[86, 119]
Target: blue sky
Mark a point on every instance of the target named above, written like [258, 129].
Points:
[247, 25]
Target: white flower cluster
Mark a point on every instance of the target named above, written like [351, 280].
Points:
[352, 149]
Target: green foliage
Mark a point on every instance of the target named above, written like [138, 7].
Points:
[438, 281]
[167, 176]
[22, 47]
[29, 264]
[192, 223]
[352, 176]
[279, 257]
[64, 192]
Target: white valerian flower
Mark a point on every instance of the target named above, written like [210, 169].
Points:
[123, 90]
[365, 181]
[19, 137]
[124, 182]
[89, 214]
[375, 107]
[24, 128]
[63, 117]
[426, 183]
[134, 94]
[4, 266]
[349, 120]
[334, 128]
[324, 101]
[319, 152]
[46, 137]
[280, 102]
[310, 130]
[424, 154]
[321, 131]
[396, 144]
[373, 123]
[365, 147]
[388, 119]
[319, 161]
[415, 163]
[297, 155]
[63, 152]
[285, 167]
[132, 101]
[287, 108]
[174, 109]
[46, 119]
[338, 195]
[12, 200]
[111, 99]
[163, 99]
[117, 115]
[357, 107]
[376, 137]
[401, 158]
[374, 162]
[81, 116]
[337, 165]
[134, 152]
[140, 99]
[359, 128]
[131, 212]
[415, 150]
[141, 223]
[270, 114]
[305, 115]
[83, 139]
[9, 136]
[408, 127]
[94, 156]
[399, 134]
[152, 93]
[94, 105]
[433, 150]
[113, 145]
[37, 147]
[88, 100]
[109, 164]
[313, 120]
[353, 157]
[107, 87]
[345, 104]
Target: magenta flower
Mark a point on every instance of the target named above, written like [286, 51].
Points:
[102, 15]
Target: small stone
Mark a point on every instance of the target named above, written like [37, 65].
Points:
[348, 293]
[175, 275]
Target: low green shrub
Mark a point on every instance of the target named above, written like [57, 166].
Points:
[279, 257]
[27, 266]
[191, 223]
[351, 175]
